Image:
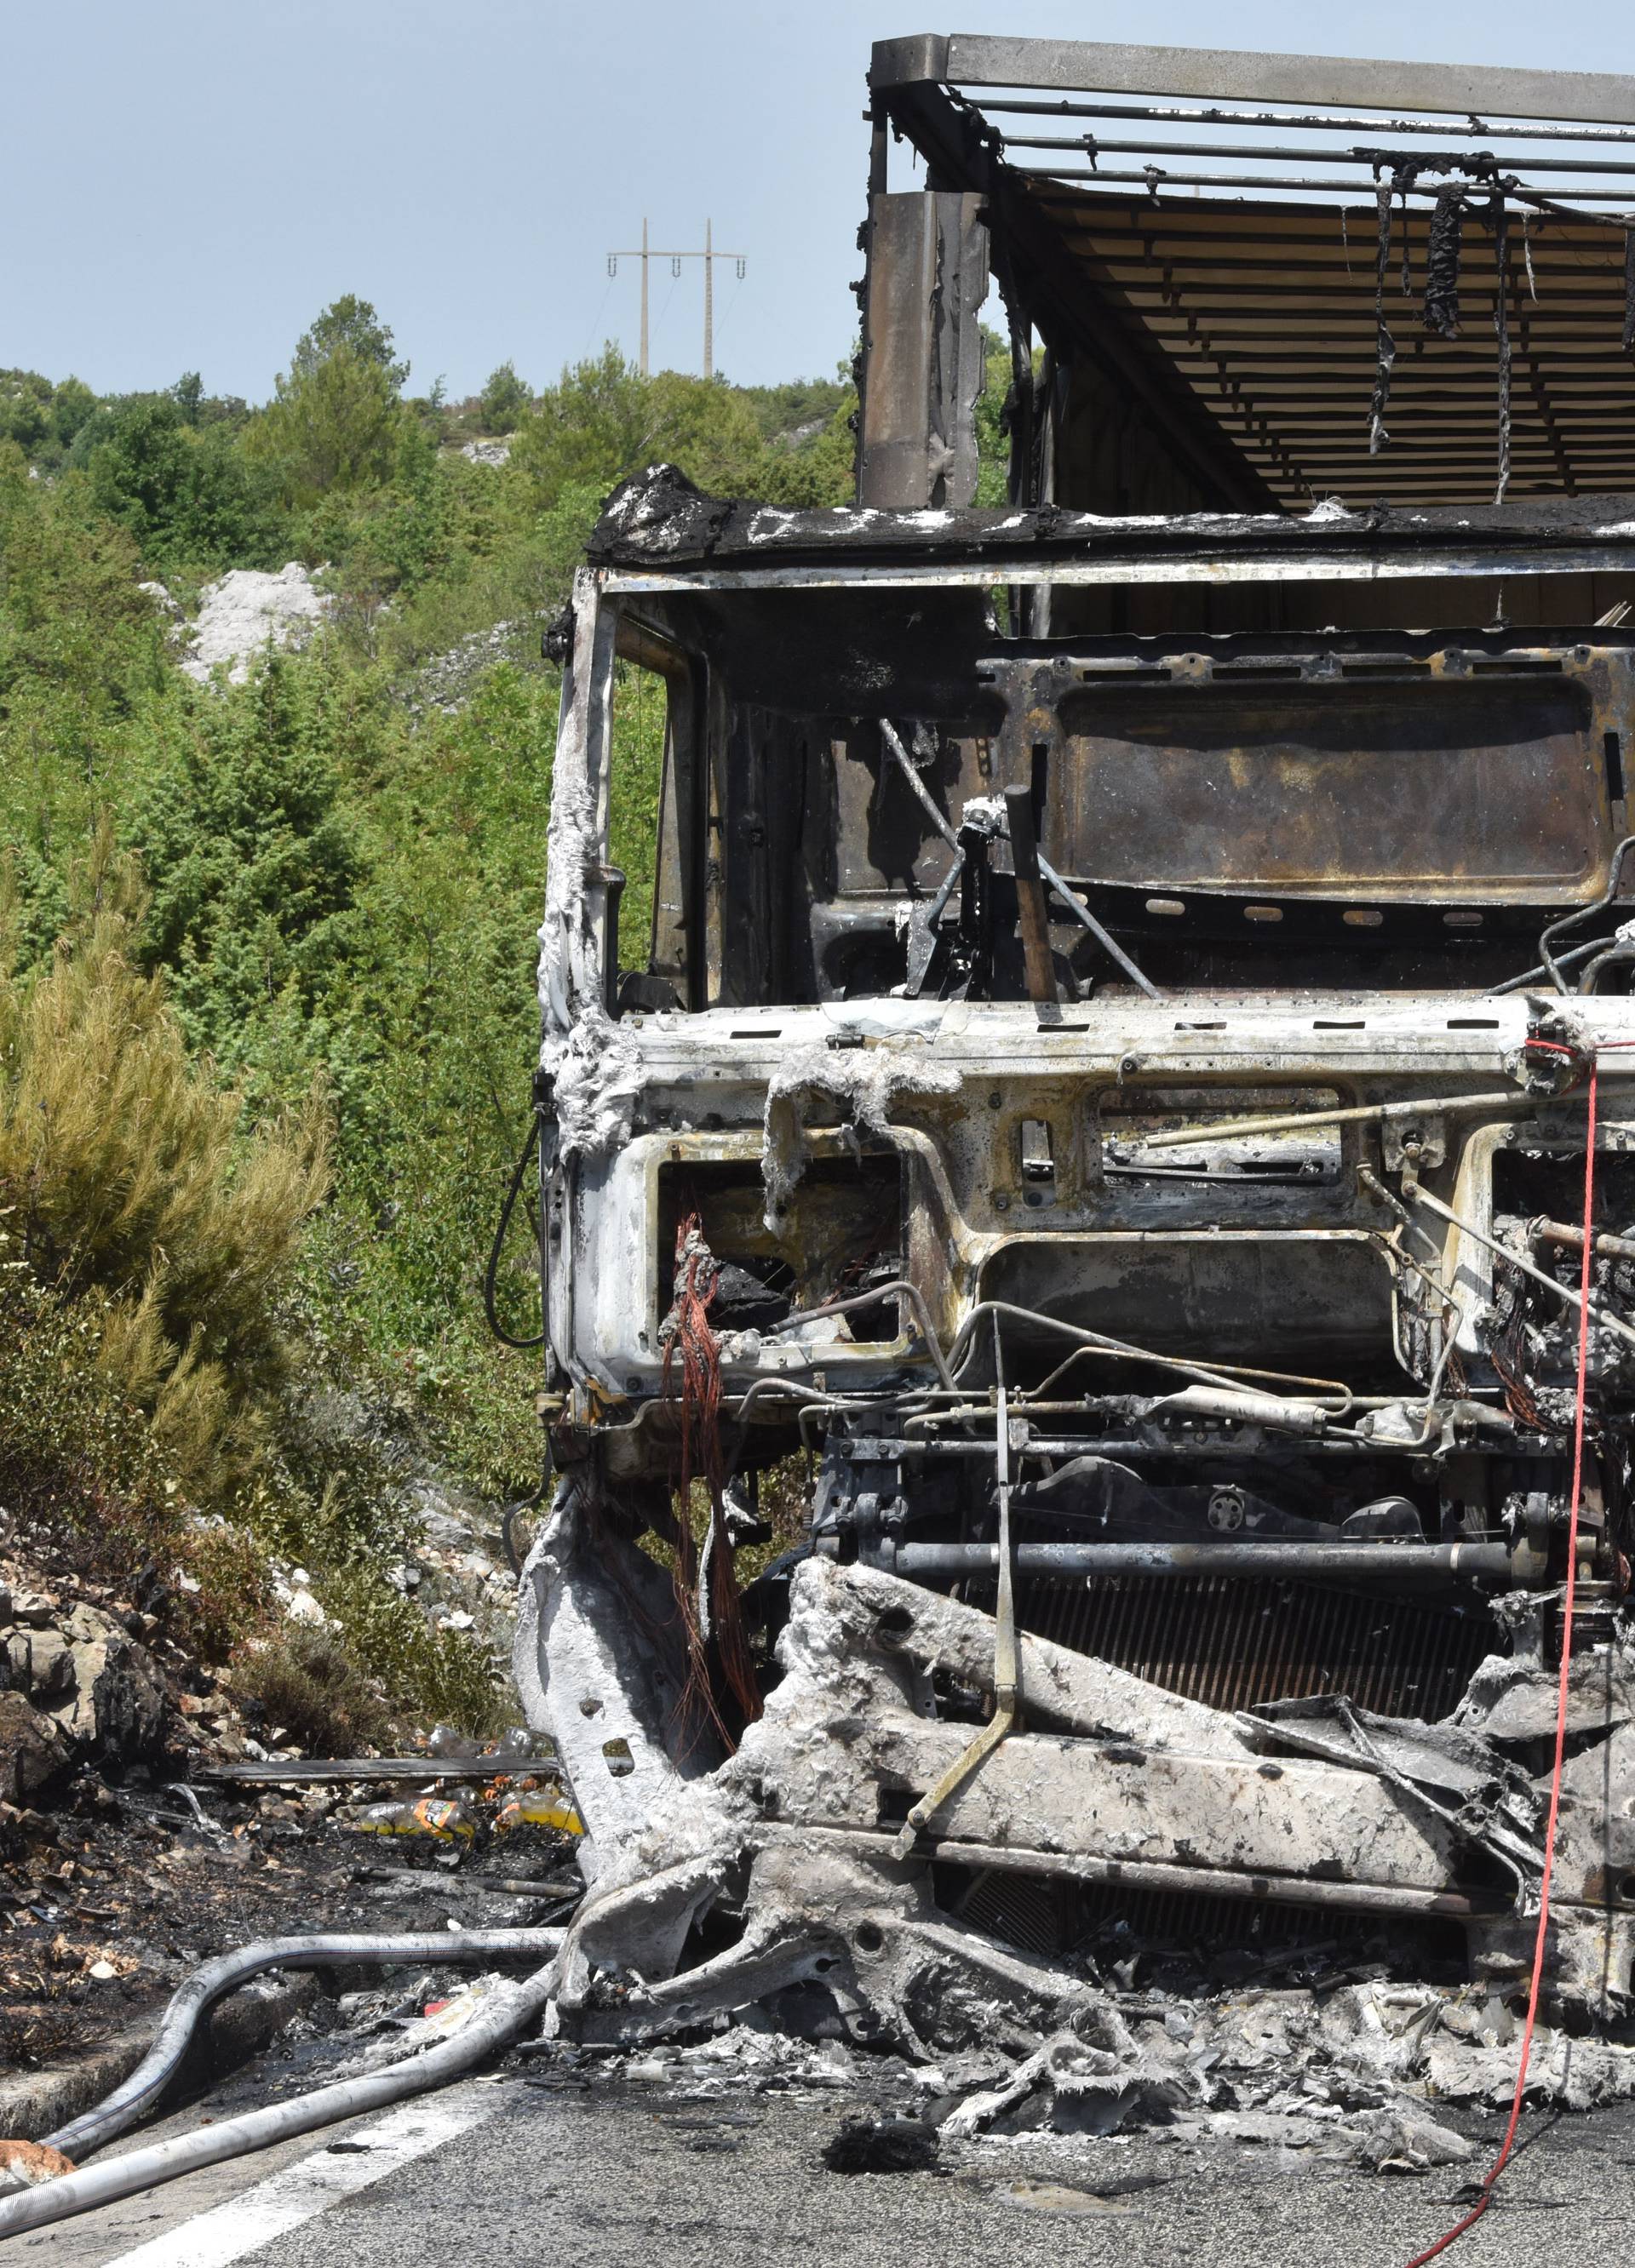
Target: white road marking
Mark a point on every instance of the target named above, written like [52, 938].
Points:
[287, 2199]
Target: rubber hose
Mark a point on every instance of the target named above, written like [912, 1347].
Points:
[142, 2090]
[515, 2005]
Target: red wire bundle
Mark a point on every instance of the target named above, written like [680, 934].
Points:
[1542, 1936]
[701, 1458]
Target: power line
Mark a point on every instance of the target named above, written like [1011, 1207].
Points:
[709, 254]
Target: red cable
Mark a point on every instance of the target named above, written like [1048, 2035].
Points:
[1542, 1937]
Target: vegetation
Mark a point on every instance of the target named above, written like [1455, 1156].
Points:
[267, 1017]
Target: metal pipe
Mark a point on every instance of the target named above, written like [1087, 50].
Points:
[332, 1771]
[1572, 1240]
[1488, 1563]
[1574, 953]
[889, 1447]
[1362, 1114]
[1275, 1889]
[1228, 1375]
[1610, 956]
[208, 1983]
[1558, 928]
[491, 2028]
[902, 1290]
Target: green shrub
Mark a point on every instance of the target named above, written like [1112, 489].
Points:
[188, 498]
[124, 1172]
[308, 1681]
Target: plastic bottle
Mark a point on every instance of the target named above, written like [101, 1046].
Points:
[429, 1814]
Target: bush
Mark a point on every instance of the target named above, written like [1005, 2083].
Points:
[188, 498]
[309, 1684]
[125, 1175]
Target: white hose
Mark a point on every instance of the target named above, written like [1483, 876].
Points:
[137, 2094]
[491, 2028]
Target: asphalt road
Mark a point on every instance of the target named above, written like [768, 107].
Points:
[521, 2168]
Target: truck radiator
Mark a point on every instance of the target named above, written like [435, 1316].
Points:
[1110, 1922]
[1232, 1644]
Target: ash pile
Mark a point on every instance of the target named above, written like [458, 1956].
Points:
[1305, 1925]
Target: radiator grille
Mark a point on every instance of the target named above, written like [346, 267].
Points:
[1054, 1917]
[1232, 1644]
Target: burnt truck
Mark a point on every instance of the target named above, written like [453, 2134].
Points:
[1108, 1098]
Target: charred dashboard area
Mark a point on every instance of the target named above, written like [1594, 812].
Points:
[1346, 811]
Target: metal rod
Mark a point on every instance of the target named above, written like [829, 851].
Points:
[1572, 1240]
[328, 1770]
[1313, 122]
[1487, 1562]
[1108, 944]
[899, 1288]
[1160, 179]
[1041, 985]
[1212, 1881]
[906, 766]
[1375, 157]
[1362, 1114]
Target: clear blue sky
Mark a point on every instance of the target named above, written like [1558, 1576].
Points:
[185, 183]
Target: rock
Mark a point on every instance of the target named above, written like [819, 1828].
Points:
[448, 681]
[487, 453]
[163, 599]
[303, 1608]
[34, 1609]
[22, 2164]
[32, 1749]
[42, 1663]
[119, 1700]
[244, 610]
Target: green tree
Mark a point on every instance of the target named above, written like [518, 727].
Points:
[252, 866]
[72, 404]
[25, 409]
[503, 400]
[188, 498]
[333, 424]
[350, 324]
[603, 420]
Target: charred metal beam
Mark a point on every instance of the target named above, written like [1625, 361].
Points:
[922, 349]
[1041, 985]
[1239, 75]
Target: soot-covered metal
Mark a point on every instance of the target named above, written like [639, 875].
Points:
[1062, 1253]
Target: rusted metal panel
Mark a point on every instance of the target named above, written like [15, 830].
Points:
[922, 349]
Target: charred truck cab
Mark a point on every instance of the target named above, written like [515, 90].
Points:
[1107, 1091]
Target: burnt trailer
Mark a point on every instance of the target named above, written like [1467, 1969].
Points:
[1134, 1000]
